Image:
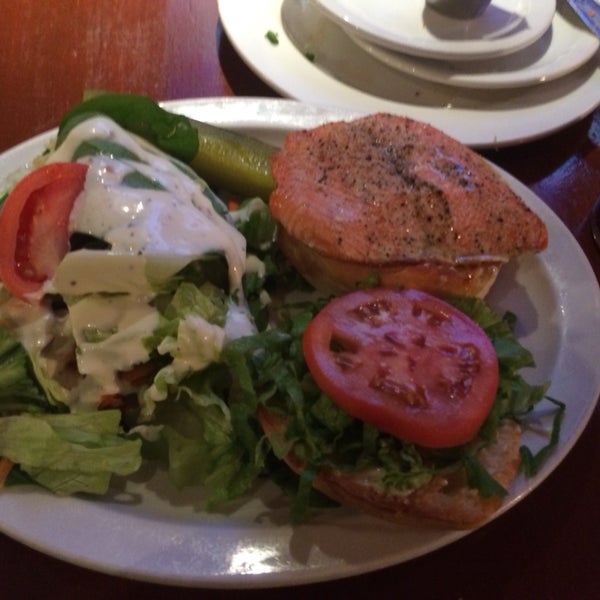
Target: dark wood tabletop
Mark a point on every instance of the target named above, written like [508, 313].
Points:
[548, 545]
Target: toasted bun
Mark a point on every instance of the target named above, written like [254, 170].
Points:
[395, 197]
[445, 500]
[339, 276]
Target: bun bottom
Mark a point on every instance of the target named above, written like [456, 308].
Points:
[338, 276]
[445, 500]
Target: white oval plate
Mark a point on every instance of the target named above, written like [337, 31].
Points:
[564, 47]
[147, 530]
[410, 26]
[342, 75]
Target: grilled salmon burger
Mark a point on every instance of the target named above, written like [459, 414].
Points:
[405, 408]
[389, 197]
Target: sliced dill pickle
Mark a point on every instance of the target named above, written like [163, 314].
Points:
[225, 159]
[233, 161]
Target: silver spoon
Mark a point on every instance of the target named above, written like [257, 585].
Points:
[596, 222]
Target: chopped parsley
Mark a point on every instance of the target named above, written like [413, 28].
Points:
[272, 37]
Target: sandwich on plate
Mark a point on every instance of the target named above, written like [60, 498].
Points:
[414, 409]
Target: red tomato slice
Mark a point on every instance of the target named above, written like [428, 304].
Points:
[34, 225]
[406, 362]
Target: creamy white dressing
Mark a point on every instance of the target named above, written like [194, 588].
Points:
[93, 271]
[177, 221]
[237, 323]
[109, 333]
[31, 323]
[255, 265]
[153, 234]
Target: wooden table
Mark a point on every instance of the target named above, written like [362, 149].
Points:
[548, 546]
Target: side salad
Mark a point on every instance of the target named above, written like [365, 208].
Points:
[144, 318]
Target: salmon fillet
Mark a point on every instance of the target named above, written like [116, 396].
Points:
[387, 189]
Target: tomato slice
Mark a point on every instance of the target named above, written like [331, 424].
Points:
[406, 362]
[34, 225]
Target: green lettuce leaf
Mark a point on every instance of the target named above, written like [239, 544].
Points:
[253, 219]
[70, 453]
[199, 443]
[19, 389]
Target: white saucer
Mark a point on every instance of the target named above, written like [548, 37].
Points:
[315, 61]
[564, 47]
[410, 26]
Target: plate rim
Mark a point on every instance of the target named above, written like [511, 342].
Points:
[448, 49]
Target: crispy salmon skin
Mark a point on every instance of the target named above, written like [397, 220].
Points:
[388, 189]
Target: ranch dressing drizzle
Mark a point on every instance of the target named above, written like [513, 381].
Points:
[178, 220]
[170, 223]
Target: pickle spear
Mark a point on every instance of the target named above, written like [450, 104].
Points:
[233, 161]
[225, 159]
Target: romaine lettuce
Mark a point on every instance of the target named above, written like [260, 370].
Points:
[70, 453]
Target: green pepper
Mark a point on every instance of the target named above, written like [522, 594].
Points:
[223, 158]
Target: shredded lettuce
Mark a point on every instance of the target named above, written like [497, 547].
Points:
[198, 442]
[190, 337]
[253, 219]
[271, 372]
